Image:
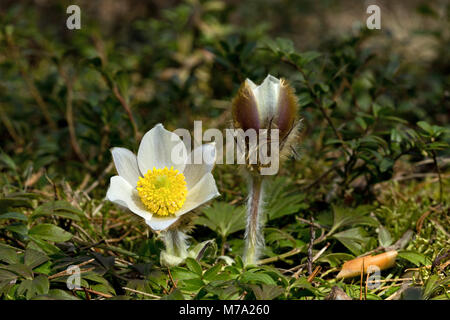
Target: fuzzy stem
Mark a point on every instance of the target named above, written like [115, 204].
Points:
[176, 245]
[254, 239]
[175, 241]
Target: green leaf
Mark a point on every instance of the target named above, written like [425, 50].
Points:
[266, 291]
[7, 276]
[59, 208]
[210, 274]
[252, 277]
[175, 295]
[354, 239]
[20, 269]
[18, 228]
[34, 258]
[192, 284]
[56, 294]
[8, 254]
[384, 237]
[425, 127]
[194, 266]
[417, 258]
[349, 217]
[50, 232]
[39, 244]
[386, 164]
[14, 215]
[335, 259]
[183, 274]
[223, 218]
[281, 201]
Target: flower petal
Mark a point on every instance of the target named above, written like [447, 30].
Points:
[160, 223]
[266, 96]
[126, 165]
[245, 107]
[161, 148]
[202, 192]
[286, 109]
[122, 193]
[194, 171]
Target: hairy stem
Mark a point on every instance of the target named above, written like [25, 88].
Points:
[254, 239]
[176, 245]
[175, 241]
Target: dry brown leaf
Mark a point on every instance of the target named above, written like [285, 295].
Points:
[353, 267]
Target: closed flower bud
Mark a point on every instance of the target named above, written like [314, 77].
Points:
[271, 105]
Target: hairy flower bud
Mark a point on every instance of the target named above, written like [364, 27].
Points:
[270, 105]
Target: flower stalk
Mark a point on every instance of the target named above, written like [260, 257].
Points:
[254, 239]
[175, 242]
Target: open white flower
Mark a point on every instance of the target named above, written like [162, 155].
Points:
[160, 184]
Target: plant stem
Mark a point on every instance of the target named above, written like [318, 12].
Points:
[175, 242]
[176, 247]
[254, 239]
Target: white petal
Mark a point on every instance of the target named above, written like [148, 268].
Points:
[161, 148]
[266, 96]
[122, 193]
[126, 165]
[202, 192]
[201, 161]
[160, 223]
[251, 84]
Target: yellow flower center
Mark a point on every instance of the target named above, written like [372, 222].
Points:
[162, 191]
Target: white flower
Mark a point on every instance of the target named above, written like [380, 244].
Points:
[159, 184]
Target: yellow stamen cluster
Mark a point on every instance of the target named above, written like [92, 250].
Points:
[162, 191]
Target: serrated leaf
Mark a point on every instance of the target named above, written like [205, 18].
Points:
[194, 266]
[7, 276]
[281, 201]
[355, 239]
[211, 273]
[8, 254]
[34, 258]
[223, 218]
[183, 273]
[343, 217]
[20, 269]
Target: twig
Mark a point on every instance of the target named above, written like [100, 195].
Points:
[15, 53]
[69, 117]
[102, 175]
[317, 100]
[127, 110]
[281, 256]
[317, 256]
[9, 127]
[439, 174]
[311, 244]
[143, 293]
[311, 223]
[104, 295]
[171, 278]
[361, 281]
[314, 274]
[66, 272]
